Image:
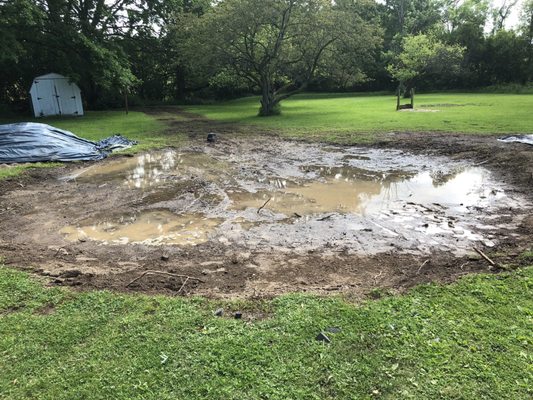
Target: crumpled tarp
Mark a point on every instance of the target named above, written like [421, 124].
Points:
[33, 142]
[527, 139]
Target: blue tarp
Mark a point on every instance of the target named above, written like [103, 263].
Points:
[33, 142]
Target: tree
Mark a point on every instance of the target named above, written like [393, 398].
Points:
[279, 45]
[501, 14]
[78, 38]
[504, 58]
[527, 28]
[410, 17]
[156, 52]
[424, 55]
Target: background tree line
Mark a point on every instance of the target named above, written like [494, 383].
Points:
[192, 50]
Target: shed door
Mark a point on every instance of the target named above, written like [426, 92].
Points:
[46, 97]
[66, 97]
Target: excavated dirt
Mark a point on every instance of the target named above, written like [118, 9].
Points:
[255, 215]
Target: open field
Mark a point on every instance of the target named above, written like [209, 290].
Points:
[350, 118]
[339, 118]
[468, 340]
[384, 257]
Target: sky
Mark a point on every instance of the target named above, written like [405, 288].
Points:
[514, 18]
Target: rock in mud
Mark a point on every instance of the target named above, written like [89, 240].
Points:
[238, 315]
[219, 312]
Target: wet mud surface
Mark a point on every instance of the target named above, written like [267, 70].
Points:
[255, 216]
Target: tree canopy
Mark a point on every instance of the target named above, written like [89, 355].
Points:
[424, 55]
[191, 50]
[279, 46]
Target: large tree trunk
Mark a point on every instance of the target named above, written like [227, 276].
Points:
[269, 102]
[269, 106]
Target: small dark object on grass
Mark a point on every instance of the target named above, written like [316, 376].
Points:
[219, 312]
[322, 337]
[211, 137]
[238, 315]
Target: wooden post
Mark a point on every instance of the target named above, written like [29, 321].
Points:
[413, 98]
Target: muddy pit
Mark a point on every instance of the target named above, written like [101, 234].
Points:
[259, 217]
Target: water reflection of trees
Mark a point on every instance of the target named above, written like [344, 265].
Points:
[150, 167]
[355, 188]
[440, 178]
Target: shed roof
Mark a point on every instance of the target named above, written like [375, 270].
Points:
[51, 76]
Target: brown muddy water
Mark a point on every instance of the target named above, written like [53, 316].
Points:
[295, 197]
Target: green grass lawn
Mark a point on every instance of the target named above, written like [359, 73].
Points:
[344, 118]
[353, 117]
[468, 340]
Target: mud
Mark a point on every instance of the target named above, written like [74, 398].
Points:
[255, 216]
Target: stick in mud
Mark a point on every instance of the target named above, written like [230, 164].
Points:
[263, 206]
[164, 273]
[424, 263]
[485, 257]
[183, 284]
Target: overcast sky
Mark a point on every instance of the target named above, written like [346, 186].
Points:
[514, 18]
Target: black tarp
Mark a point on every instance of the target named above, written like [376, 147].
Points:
[33, 142]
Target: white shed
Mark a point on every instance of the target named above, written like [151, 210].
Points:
[54, 94]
